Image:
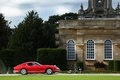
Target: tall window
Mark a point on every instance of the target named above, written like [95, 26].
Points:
[90, 50]
[108, 50]
[71, 55]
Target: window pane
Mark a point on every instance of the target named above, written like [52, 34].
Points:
[30, 64]
[108, 49]
[90, 49]
[71, 55]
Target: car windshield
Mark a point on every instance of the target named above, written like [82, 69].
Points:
[37, 63]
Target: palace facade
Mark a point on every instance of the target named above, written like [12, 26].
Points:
[94, 36]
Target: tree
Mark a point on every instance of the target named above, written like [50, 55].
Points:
[69, 16]
[33, 33]
[27, 37]
[54, 20]
[49, 35]
[5, 32]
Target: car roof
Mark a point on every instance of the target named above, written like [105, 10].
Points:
[30, 62]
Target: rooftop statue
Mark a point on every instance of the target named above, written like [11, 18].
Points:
[99, 9]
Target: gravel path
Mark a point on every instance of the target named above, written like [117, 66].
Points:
[58, 74]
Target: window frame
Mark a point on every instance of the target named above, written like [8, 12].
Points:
[87, 51]
[108, 48]
[74, 50]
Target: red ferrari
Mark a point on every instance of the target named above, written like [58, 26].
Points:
[34, 67]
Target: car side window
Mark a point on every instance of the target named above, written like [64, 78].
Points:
[37, 63]
[30, 64]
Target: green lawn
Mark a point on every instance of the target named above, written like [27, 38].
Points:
[60, 77]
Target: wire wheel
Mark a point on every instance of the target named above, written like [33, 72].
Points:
[49, 71]
[23, 71]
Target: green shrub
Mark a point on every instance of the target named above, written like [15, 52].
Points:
[79, 64]
[52, 56]
[100, 71]
[98, 64]
[116, 65]
[111, 65]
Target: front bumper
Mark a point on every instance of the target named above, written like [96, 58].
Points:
[57, 70]
[15, 71]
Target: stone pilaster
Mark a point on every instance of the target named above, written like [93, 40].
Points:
[80, 47]
[94, 4]
[89, 4]
[105, 5]
[110, 3]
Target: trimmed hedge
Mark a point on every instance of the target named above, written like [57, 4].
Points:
[114, 65]
[52, 56]
[111, 65]
[7, 59]
[117, 65]
[7, 56]
[3, 69]
[12, 58]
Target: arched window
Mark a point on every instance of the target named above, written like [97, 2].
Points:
[71, 55]
[90, 50]
[108, 50]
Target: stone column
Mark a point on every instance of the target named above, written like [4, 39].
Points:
[105, 5]
[89, 4]
[110, 3]
[94, 4]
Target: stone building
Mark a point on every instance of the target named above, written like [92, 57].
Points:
[94, 36]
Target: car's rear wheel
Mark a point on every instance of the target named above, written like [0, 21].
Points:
[49, 71]
[23, 71]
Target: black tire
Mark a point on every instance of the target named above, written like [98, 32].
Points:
[49, 71]
[23, 71]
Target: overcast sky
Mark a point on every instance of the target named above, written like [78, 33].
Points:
[16, 10]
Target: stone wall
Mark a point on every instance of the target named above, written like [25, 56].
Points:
[92, 23]
[83, 30]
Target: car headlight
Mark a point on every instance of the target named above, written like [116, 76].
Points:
[56, 67]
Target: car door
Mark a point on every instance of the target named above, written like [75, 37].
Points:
[38, 68]
[31, 68]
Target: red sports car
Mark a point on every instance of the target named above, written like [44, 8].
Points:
[34, 67]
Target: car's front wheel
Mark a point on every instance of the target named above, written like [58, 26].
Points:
[49, 71]
[23, 71]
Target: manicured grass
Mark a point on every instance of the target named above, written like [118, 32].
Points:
[60, 77]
